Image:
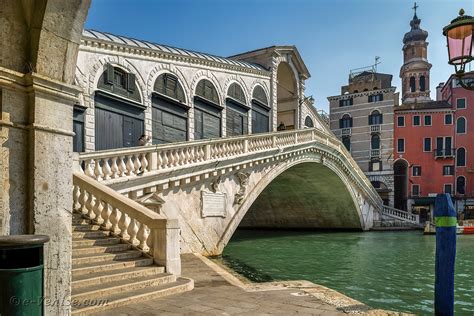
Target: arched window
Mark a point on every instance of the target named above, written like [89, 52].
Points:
[308, 122]
[412, 84]
[461, 125]
[461, 157]
[117, 81]
[375, 118]
[422, 83]
[345, 121]
[168, 84]
[237, 93]
[205, 89]
[346, 141]
[375, 142]
[260, 95]
[356, 91]
[461, 185]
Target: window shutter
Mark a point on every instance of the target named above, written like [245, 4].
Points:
[351, 102]
[340, 123]
[130, 82]
[340, 103]
[109, 74]
[350, 122]
[381, 97]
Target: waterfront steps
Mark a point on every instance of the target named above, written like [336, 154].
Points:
[108, 272]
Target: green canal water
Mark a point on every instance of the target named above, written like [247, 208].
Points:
[389, 270]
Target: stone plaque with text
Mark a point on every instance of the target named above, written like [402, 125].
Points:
[213, 204]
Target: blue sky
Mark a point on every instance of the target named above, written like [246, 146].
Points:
[332, 36]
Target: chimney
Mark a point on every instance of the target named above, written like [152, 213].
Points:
[439, 97]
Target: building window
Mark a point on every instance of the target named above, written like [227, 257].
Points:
[375, 118]
[401, 121]
[119, 78]
[412, 84]
[345, 121]
[416, 171]
[461, 125]
[461, 157]
[427, 144]
[168, 84]
[427, 120]
[448, 170]
[401, 145]
[416, 120]
[461, 185]
[346, 102]
[375, 165]
[448, 188]
[375, 142]
[308, 122]
[206, 90]
[448, 119]
[415, 190]
[376, 97]
[346, 141]
[422, 83]
[460, 103]
[444, 147]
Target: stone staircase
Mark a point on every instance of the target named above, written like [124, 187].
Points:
[108, 272]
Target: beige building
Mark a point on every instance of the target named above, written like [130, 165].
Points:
[362, 118]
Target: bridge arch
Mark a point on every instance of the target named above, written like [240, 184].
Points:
[314, 172]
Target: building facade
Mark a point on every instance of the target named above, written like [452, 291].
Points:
[362, 118]
[133, 88]
[432, 138]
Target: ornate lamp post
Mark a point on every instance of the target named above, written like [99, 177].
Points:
[459, 35]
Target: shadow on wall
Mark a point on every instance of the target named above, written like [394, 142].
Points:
[306, 196]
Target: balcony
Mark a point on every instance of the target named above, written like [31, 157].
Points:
[443, 153]
[375, 153]
[346, 131]
[375, 128]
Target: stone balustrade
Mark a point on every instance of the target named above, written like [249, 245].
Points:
[146, 230]
[399, 214]
[131, 162]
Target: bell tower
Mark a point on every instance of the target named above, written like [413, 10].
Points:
[415, 71]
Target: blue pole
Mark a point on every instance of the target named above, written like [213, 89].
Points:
[445, 220]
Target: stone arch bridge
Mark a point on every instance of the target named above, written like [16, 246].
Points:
[292, 179]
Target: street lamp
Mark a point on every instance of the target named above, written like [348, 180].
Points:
[459, 38]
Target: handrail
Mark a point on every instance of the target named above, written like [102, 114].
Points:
[399, 214]
[148, 231]
[112, 164]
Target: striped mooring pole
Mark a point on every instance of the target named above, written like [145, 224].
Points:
[446, 221]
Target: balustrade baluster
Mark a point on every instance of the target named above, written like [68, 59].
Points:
[82, 200]
[106, 212]
[98, 169]
[122, 166]
[114, 170]
[149, 242]
[114, 220]
[144, 162]
[160, 160]
[89, 168]
[137, 166]
[132, 231]
[129, 165]
[142, 236]
[98, 208]
[90, 206]
[76, 192]
[106, 170]
[123, 226]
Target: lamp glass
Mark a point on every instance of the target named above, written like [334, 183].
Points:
[460, 44]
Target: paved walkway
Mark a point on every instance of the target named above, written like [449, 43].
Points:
[214, 295]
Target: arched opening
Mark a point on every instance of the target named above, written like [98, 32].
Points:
[412, 84]
[287, 97]
[461, 157]
[400, 171]
[461, 185]
[461, 125]
[260, 111]
[422, 83]
[236, 111]
[207, 111]
[383, 190]
[307, 195]
[119, 112]
[169, 110]
[375, 141]
[345, 121]
[308, 122]
[375, 118]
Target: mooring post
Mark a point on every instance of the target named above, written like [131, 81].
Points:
[446, 221]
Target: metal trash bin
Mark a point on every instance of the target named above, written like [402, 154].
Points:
[21, 274]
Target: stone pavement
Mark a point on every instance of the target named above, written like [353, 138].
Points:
[214, 295]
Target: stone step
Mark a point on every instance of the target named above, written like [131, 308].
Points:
[97, 278]
[84, 250]
[81, 242]
[120, 299]
[90, 234]
[116, 287]
[105, 257]
[84, 227]
[96, 267]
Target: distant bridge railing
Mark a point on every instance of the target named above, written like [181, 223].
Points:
[400, 215]
[130, 162]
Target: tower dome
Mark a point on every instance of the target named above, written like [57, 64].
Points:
[416, 33]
